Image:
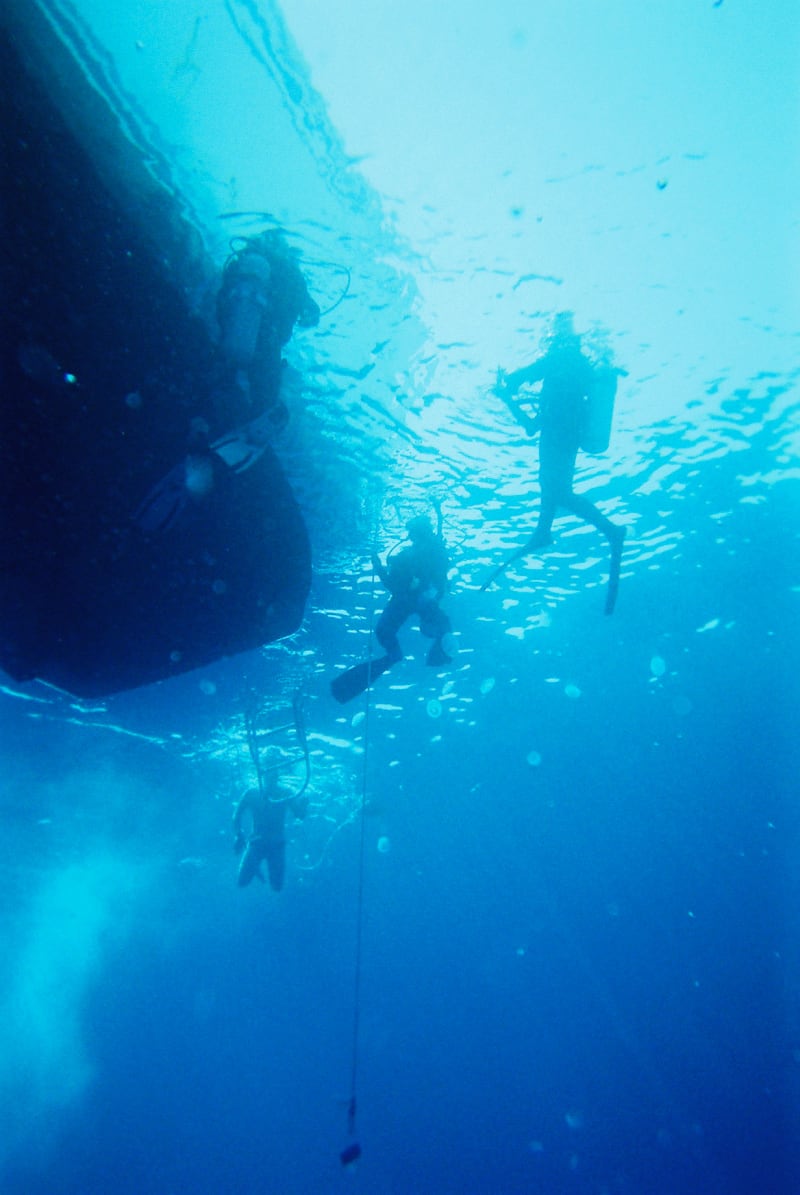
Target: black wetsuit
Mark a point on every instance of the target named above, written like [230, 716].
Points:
[566, 376]
[266, 840]
[417, 580]
[273, 283]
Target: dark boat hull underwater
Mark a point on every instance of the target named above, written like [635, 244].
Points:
[106, 366]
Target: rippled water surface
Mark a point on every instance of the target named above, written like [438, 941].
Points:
[574, 848]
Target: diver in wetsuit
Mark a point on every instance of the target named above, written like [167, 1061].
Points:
[416, 578]
[262, 297]
[259, 835]
[567, 378]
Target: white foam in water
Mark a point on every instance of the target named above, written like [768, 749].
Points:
[658, 666]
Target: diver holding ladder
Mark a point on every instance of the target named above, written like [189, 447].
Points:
[259, 816]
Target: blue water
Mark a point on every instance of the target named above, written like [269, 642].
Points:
[541, 916]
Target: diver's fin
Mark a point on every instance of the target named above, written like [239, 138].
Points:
[532, 545]
[165, 503]
[613, 570]
[242, 447]
[355, 680]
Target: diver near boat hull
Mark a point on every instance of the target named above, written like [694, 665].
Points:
[262, 297]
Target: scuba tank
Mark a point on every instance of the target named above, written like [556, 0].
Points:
[247, 296]
[599, 409]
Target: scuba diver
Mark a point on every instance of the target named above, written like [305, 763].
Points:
[260, 815]
[264, 839]
[575, 409]
[263, 295]
[417, 580]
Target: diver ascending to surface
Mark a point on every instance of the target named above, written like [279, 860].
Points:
[263, 295]
[260, 815]
[417, 580]
[259, 835]
[575, 407]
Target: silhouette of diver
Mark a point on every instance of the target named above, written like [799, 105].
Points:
[263, 295]
[417, 580]
[568, 380]
[264, 839]
[259, 817]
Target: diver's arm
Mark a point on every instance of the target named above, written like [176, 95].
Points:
[238, 836]
[309, 313]
[440, 586]
[506, 388]
[245, 803]
[380, 570]
[530, 423]
[307, 310]
[511, 382]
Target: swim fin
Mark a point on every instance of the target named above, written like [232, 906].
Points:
[355, 680]
[532, 545]
[613, 570]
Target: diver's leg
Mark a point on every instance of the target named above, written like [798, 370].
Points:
[434, 624]
[265, 372]
[614, 533]
[251, 861]
[274, 842]
[584, 509]
[548, 506]
[556, 468]
[389, 623]
[542, 536]
[275, 852]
